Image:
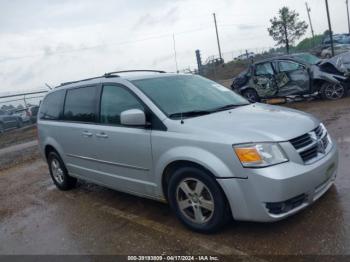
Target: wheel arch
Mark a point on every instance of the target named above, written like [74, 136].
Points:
[49, 145]
[48, 149]
[175, 165]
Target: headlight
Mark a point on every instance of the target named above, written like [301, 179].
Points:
[260, 155]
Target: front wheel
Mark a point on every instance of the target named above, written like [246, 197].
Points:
[332, 91]
[251, 95]
[198, 200]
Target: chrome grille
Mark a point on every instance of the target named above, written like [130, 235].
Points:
[309, 145]
[301, 141]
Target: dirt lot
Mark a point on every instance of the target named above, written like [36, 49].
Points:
[18, 136]
[36, 218]
[18, 146]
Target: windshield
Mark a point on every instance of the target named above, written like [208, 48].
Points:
[188, 93]
[309, 58]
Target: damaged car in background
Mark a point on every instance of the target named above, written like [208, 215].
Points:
[294, 76]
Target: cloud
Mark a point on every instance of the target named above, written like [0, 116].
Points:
[248, 27]
[167, 18]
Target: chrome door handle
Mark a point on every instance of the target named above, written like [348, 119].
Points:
[102, 135]
[87, 134]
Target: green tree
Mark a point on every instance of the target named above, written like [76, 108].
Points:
[286, 28]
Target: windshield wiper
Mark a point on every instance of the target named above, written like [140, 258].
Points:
[190, 113]
[227, 107]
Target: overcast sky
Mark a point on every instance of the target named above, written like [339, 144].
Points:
[52, 41]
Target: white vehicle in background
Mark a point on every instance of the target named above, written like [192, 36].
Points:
[23, 114]
[338, 49]
[245, 56]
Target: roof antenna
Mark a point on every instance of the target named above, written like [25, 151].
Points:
[48, 86]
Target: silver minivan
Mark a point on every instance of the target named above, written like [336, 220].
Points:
[188, 141]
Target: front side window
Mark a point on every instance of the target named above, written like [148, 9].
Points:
[179, 94]
[116, 99]
[81, 104]
[264, 69]
[52, 106]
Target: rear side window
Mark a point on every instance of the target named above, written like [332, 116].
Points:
[115, 100]
[52, 106]
[286, 66]
[81, 104]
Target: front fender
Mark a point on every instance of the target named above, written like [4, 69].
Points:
[193, 154]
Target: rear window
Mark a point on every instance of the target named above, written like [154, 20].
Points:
[52, 106]
[81, 104]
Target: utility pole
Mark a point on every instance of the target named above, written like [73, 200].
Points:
[308, 9]
[175, 56]
[217, 37]
[330, 28]
[347, 9]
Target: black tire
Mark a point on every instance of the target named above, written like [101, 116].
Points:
[251, 95]
[211, 193]
[62, 181]
[331, 91]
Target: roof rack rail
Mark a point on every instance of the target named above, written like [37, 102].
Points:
[110, 74]
[73, 82]
[131, 71]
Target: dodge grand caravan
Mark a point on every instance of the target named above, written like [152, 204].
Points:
[188, 141]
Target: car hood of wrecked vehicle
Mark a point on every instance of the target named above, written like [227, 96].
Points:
[340, 62]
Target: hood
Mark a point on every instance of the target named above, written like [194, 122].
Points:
[253, 123]
[341, 62]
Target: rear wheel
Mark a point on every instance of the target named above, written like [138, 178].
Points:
[251, 95]
[198, 200]
[59, 173]
[332, 91]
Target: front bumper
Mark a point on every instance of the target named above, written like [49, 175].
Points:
[250, 199]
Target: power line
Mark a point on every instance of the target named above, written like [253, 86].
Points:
[330, 28]
[217, 37]
[347, 12]
[308, 9]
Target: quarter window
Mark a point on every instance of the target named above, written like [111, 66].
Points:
[52, 106]
[115, 100]
[81, 104]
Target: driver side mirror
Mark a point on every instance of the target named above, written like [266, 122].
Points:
[133, 117]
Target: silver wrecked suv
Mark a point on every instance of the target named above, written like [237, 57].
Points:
[188, 141]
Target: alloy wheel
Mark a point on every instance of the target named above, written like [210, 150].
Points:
[334, 91]
[57, 171]
[195, 200]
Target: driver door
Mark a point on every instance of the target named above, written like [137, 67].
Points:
[123, 153]
[263, 80]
